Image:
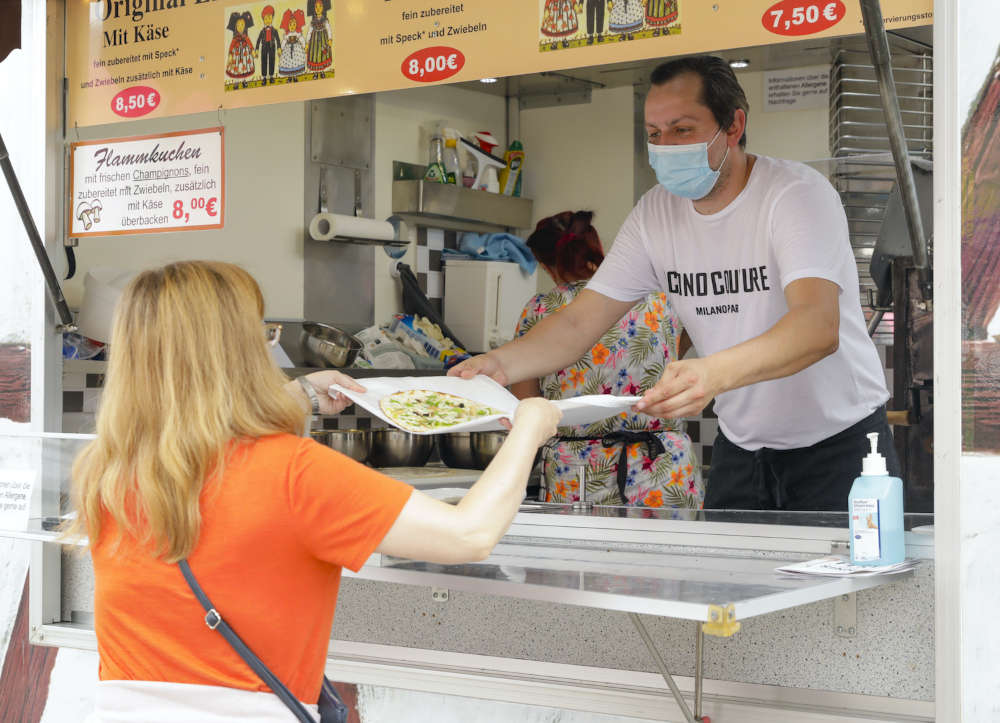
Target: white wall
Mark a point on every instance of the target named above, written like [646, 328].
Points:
[23, 127]
[580, 157]
[399, 117]
[265, 155]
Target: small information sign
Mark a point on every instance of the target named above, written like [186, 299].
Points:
[15, 497]
[169, 182]
[797, 88]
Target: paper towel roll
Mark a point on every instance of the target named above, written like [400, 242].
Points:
[325, 226]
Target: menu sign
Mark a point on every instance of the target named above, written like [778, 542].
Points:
[170, 182]
[132, 58]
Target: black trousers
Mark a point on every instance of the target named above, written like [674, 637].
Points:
[807, 478]
[595, 16]
[267, 54]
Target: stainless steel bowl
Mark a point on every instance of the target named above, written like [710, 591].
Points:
[355, 443]
[395, 448]
[485, 445]
[327, 346]
[456, 451]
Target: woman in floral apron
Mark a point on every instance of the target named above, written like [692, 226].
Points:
[627, 16]
[660, 14]
[319, 51]
[293, 52]
[629, 459]
[239, 60]
[559, 20]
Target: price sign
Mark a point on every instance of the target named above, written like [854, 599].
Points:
[170, 182]
[431, 64]
[802, 17]
[135, 101]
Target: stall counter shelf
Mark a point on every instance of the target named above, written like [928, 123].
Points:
[545, 557]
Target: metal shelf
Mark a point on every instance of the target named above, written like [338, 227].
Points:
[423, 199]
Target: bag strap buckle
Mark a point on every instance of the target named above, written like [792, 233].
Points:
[213, 619]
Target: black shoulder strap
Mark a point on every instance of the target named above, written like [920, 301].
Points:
[214, 621]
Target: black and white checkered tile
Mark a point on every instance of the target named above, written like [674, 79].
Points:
[429, 267]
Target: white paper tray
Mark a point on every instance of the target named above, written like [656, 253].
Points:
[577, 410]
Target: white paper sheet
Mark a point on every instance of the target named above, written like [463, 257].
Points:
[578, 410]
[839, 566]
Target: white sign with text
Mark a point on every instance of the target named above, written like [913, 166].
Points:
[169, 182]
[797, 88]
[16, 486]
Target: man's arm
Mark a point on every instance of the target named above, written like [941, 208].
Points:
[807, 333]
[554, 343]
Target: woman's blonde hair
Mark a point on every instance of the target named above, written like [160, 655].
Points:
[189, 372]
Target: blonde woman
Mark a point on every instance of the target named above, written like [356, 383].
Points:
[198, 457]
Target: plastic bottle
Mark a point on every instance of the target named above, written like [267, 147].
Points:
[435, 162]
[452, 170]
[875, 507]
[510, 176]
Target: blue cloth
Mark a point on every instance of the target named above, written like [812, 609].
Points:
[495, 247]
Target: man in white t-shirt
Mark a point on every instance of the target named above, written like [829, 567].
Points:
[755, 257]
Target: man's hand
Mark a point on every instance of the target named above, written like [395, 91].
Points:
[483, 364]
[685, 389]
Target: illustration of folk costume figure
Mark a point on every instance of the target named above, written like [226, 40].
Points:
[660, 14]
[595, 21]
[293, 52]
[268, 45]
[559, 20]
[239, 61]
[627, 16]
[319, 49]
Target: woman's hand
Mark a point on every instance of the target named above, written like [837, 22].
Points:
[538, 417]
[330, 402]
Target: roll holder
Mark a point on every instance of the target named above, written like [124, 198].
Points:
[399, 240]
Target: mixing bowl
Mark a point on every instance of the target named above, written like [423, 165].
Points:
[395, 448]
[327, 346]
[355, 443]
[485, 445]
[456, 450]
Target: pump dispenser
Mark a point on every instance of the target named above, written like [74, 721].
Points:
[453, 172]
[874, 463]
[875, 507]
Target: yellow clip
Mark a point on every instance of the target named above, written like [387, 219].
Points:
[722, 622]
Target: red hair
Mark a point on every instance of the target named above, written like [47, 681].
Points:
[298, 16]
[568, 244]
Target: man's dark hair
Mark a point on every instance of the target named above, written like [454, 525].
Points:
[721, 92]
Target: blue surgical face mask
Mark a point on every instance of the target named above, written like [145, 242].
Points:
[683, 169]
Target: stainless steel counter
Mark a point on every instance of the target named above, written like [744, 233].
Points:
[676, 585]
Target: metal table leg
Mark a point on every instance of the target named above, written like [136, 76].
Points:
[696, 717]
[699, 660]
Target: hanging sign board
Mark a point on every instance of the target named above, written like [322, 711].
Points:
[168, 182]
[138, 58]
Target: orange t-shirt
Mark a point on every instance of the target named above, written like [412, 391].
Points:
[277, 527]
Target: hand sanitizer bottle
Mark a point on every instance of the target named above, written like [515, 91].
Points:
[875, 506]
